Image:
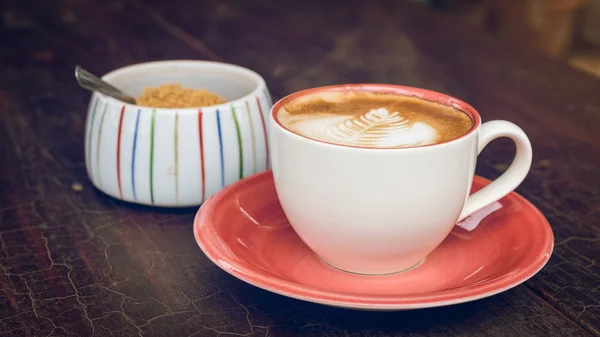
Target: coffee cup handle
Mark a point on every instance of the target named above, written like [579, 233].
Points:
[514, 175]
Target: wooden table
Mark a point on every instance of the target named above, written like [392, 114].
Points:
[76, 262]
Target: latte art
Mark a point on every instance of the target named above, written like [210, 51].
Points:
[376, 128]
[366, 119]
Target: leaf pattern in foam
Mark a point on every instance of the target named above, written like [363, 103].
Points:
[379, 127]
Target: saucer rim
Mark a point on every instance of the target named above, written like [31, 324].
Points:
[302, 292]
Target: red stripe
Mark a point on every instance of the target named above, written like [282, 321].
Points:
[262, 119]
[201, 154]
[119, 151]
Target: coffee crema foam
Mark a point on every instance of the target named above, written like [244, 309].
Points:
[375, 120]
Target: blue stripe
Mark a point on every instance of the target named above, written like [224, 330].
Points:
[137, 122]
[221, 149]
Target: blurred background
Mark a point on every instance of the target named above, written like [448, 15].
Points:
[567, 30]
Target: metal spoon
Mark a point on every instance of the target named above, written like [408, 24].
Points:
[91, 82]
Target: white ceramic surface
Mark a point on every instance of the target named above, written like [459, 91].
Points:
[177, 157]
[380, 211]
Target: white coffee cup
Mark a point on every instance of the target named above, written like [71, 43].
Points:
[377, 210]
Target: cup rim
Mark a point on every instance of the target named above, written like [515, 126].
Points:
[260, 83]
[428, 95]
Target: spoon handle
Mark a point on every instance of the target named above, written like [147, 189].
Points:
[91, 82]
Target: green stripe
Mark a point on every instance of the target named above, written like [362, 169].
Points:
[152, 155]
[239, 136]
[99, 142]
[176, 160]
[253, 138]
[90, 134]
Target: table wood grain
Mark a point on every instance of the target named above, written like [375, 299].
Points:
[74, 261]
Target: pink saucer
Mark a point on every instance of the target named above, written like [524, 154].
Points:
[244, 231]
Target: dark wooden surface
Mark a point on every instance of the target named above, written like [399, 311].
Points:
[76, 262]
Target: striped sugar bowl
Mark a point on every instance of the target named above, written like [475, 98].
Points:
[177, 157]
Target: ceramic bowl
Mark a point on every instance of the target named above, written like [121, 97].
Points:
[177, 157]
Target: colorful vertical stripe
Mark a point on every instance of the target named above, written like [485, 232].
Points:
[262, 119]
[119, 151]
[201, 155]
[239, 138]
[91, 130]
[176, 153]
[99, 142]
[252, 136]
[152, 124]
[135, 133]
[221, 148]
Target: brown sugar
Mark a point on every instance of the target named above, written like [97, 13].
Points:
[176, 96]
